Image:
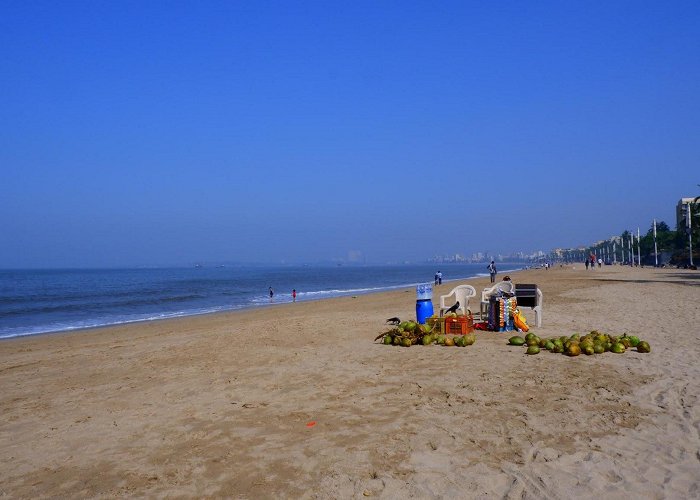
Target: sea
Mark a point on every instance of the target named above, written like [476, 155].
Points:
[44, 301]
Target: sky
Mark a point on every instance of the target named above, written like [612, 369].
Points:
[163, 132]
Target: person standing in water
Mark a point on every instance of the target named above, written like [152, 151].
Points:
[272, 292]
[294, 295]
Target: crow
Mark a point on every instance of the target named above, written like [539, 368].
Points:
[394, 320]
[453, 308]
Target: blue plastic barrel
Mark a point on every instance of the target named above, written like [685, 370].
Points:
[424, 310]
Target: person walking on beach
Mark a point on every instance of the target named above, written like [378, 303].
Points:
[492, 271]
[272, 292]
[439, 277]
[586, 262]
[294, 295]
[436, 278]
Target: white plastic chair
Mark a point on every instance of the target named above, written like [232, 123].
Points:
[486, 293]
[461, 294]
[501, 286]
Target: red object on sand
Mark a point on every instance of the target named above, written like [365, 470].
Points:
[311, 424]
[460, 325]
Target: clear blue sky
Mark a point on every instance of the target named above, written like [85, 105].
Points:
[142, 133]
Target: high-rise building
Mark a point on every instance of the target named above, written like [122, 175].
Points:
[682, 212]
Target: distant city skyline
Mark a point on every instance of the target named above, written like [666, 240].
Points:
[478, 257]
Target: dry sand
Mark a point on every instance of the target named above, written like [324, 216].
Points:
[219, 405]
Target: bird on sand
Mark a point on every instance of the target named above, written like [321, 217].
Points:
[394, 320]
[453, 308]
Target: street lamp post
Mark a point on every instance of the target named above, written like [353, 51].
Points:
[690, 233]
[631, 248]
[656, 251]
[639, 248]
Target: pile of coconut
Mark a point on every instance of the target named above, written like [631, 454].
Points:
[591, 343]
[408, 333]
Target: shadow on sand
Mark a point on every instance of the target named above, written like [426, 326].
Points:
[685, 279]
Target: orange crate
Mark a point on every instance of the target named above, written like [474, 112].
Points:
[460, 325]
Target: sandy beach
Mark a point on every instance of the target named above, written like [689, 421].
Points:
[297, 401]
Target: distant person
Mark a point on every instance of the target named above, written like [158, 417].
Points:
[439, 276]
[294, 295]
[436, 278]
[272, 293]
[586, 262]
[600, 262]
[492, 271]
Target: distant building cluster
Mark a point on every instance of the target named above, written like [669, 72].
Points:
[631, 247]
[479, 257]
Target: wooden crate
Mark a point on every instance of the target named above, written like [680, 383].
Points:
[438, 324]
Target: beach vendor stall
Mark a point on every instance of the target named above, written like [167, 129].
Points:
[499, 307]
[501, 310]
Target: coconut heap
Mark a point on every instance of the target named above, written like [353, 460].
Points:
[408, 333]
[594, 342]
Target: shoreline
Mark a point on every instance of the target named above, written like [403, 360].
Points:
[229, 312]
[329, 294]
[296, 400]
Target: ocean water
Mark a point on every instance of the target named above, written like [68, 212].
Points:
[42, 301]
